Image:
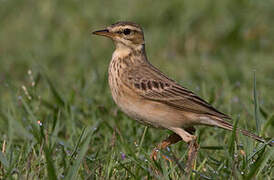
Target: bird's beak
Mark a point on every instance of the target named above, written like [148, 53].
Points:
[104, 32]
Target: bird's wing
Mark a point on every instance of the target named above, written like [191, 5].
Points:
[151, 84]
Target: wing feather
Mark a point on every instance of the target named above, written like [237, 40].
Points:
[154, 85]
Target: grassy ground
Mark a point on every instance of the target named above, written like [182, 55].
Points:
[58, 120]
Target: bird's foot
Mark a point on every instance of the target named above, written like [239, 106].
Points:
[192, 154]
[172, 139]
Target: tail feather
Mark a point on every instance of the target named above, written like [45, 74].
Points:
[226, 125]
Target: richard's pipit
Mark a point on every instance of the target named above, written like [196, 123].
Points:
[145, 94]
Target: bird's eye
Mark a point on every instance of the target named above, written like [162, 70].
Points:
[127, 31]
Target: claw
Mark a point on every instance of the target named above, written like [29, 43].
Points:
[153, 155]
[172, 139]
[192, 154]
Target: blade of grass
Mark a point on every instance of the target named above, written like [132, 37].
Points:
[77, 144]
[4, 160]
[72, 172]
[50, 164]
[55, 93]
[48, 154]
[233, 138]
[263, 112]
[217, 147]
[127, 169]
[139, 163]
[142, 140]
[268, 123]
[258, 123]
[16, 127]
[259, 149]
[33, 121]
[259, 164]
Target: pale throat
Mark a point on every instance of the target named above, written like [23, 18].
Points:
[122, 50]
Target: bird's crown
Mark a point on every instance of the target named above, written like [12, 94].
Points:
[124, 33]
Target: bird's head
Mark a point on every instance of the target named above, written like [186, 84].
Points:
[124, 34]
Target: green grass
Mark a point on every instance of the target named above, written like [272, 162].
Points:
[53, 71]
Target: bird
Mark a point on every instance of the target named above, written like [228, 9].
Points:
[146, 94]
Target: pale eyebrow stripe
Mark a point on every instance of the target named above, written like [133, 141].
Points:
[122, 27]
[132, 28]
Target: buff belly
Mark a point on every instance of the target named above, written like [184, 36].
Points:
[153, 114]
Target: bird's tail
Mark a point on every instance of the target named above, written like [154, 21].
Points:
[226, 125]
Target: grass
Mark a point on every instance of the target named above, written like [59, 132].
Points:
[57, 117]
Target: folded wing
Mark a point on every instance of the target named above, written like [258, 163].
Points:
[154, 85]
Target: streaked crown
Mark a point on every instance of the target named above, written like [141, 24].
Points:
[124, 34]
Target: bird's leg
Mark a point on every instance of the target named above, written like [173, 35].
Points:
[192, 150]
[172, 139]
[185, 135]
[192, 154]
[188, 137]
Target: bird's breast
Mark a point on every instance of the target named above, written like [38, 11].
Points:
[126, 99]
[132, 103]
[113, 80]
[115, 72]
[135, 106]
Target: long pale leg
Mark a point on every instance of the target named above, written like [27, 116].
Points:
[192, 145]
[192, 154]
[172, 139]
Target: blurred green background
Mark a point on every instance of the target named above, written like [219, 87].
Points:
[212, 47]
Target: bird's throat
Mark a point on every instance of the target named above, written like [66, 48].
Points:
[122, 51]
